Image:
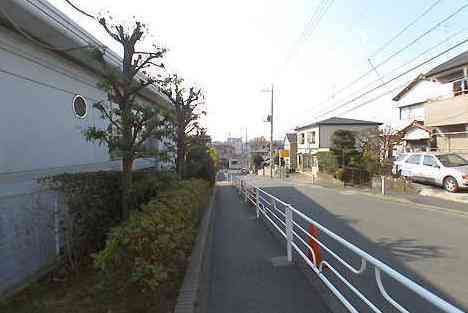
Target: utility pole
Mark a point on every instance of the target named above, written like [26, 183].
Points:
[271, 134]
[270, 119]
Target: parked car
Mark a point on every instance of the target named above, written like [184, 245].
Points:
[449, 170]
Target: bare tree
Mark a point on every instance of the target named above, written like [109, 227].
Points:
[187, 103]
[131, 121]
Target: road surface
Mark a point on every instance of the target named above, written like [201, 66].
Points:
[423, 243]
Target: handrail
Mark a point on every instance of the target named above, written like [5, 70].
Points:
[289, 234]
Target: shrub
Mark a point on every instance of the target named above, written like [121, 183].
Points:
[153, 246]
[327, 162]
[93, 200]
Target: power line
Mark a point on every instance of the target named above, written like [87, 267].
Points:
[309, 28]
[386, 44]
[399, 75]
[434, 27]
[382, 95]
[79, 10]
[453, 35]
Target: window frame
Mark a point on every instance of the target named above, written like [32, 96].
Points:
[75, 98]
[434, 161]
[311, 137]
[419, 156]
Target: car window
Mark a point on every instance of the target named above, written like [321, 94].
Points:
[414, 159]
[452, 160]
[400, 157]
[429, 160]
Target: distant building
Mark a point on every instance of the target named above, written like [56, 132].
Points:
[225, 152]
[236, 143]
[290, 145]
[316, 137]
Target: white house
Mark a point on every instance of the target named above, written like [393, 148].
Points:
[316, 137]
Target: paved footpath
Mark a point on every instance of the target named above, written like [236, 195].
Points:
[243, 278]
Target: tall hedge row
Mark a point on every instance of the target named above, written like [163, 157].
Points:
[153, 246]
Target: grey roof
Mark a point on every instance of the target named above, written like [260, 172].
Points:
[453, 63]
[340, 121]
[292, 137]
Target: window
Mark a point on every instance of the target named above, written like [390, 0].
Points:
[311, 137]
[79, 106]
[414, 159]
[460, 87]
[302, 139]
[429, 161]
[452, 160]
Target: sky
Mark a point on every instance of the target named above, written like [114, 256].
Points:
[234, 50]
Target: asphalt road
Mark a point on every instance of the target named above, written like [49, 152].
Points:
[424, 244]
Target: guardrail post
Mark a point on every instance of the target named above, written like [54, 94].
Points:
[245, 191]
[383, 184]
[257, 202]
[289, 231]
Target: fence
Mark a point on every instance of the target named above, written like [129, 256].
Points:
[355, 176]
[290, 222]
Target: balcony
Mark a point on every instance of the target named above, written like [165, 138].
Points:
[448, 111]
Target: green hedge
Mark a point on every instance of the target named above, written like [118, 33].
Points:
[152, 248]
[94, 201]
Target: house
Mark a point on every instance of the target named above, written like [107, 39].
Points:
[290, 145]
[410, 104]
[237, 143]
[225, 152]
[438, 100]
[415, 137]
[449, 113]
[48, 88]
[316, 137]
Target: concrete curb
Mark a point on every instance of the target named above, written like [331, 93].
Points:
[189, 293]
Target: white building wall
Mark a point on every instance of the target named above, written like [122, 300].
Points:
[38, 128]
[307, 145]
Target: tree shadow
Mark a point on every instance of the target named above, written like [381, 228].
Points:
[409, 250]
[392, 252]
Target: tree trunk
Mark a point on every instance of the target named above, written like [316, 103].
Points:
[127, 164]
[180, 154]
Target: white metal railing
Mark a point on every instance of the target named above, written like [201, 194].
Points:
[268, 206]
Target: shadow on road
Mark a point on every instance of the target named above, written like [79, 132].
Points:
[391, 252]
[409, 250]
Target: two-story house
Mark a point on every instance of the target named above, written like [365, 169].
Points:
[449, 113]
[316, 137]
[410, 106]
[433, 109]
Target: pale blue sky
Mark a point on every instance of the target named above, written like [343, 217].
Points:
[233, 49]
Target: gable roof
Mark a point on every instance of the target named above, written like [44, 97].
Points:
[292, 137]
[339, 121]
[415, 124]
[409, 87]
[453, 63]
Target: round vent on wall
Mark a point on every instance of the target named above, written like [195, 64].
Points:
[79, 106]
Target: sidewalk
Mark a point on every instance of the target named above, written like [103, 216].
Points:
[242, 277]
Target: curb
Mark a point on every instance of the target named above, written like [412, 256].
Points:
[188, 299]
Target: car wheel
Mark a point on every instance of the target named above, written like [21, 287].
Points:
[450, 184]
